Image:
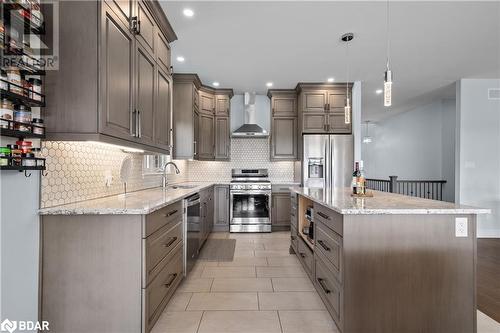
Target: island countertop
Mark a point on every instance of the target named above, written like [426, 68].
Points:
[341, 201]
[134, 203]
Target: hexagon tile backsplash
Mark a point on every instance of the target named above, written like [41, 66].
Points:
[77, 170]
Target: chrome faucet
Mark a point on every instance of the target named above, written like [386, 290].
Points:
[164, 175]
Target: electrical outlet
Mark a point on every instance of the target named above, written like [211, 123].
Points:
[461, 227]
[108, 178]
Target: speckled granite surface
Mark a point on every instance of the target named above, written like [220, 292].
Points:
[140, 202]
[340, 200]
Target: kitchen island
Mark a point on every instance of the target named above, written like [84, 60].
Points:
[388, 263]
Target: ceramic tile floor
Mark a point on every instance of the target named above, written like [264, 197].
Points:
[263, 290]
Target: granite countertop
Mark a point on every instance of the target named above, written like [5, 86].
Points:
[340, 200]
[133, 203]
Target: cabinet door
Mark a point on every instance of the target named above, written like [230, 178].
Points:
[163, 53]
[337, 125]
[222, 105]
[280, 214]
[222, 138]
[124, 9]
[196, 132]
[314, 123]
[314, 101]
[221, 203]
[146, 29]
[206, 137]
[336, 100]
[284, 106]
[284, 138]
[163, 110]
[207, 103]
[116, 116]
[145, 94]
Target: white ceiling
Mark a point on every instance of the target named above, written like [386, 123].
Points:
[243, 45]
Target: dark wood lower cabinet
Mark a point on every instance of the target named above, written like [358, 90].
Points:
[280, 211]
[221, 208]
[391, 273]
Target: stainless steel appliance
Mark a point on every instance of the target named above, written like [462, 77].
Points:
[192, 231]
[250, 203]
[328, 160]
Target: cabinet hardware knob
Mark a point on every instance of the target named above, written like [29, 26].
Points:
[302, 254]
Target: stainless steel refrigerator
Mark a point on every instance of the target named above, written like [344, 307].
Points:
[328, 160]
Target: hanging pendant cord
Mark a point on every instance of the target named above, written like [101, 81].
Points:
[348, 69]
[387, 33]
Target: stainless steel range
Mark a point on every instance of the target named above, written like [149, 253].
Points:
[250, 209]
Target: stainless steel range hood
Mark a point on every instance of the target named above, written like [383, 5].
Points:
[250, 129]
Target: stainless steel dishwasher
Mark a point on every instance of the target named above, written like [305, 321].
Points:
[192, 231]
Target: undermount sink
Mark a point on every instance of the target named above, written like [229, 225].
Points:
[182, 187]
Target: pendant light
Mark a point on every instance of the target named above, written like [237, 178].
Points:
[367, 138]
[388, 72]
[347, 37]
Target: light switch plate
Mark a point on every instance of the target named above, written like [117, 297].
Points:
[461, 227]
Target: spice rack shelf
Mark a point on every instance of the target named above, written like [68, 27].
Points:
[22, 163]
[21, 98]
[11, 132]
[17, 18]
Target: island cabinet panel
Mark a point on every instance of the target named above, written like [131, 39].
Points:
[331, 292]
[329, 218]
[306, 257]
[328, 246]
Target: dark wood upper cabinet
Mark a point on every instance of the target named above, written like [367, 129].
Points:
[337, 125]
[106, 88]
[314, 101]
[145, 95]
[222, 138]
[284, 138]
[222, 105]
[117, 76]
[336, 100]
[163, 125]
[315, 123]
[206, 143]
[207, 102]
[146, 28]
[284, 125]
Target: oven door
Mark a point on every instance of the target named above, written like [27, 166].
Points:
[250, 207]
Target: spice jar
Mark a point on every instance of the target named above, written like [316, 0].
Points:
[6, 112]
[15, 153]
[14, 78]
[28, 159]
[22, 114]
[27, 88]
[38, 126]
[24, 146]
[4, 154]
[2, 34]
[36, 89]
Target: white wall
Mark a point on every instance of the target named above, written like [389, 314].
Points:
[414, 145]
[478, 152]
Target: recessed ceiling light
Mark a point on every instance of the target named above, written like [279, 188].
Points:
[188, 12]
[379, 91]
[180, 59]
[215, 84]
[269, 84]
[331, 79]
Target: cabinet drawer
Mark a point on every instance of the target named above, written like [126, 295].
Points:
[157, 294]
[328, 217]
[305, 256]
[283, 188]
[158, 245]
[329, 290]
[294, 238]
[162, 217]
[329, 244]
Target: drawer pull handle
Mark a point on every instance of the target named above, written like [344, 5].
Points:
[292, 237]
[302, 254]
[323, 245]
[325, 289]
[171, 213]
[171, 280]
[172, 241]
[326, 217]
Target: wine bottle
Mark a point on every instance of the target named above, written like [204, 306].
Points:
[361, 181]
[355, 179]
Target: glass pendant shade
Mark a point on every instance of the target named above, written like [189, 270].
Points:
[347, 112]
[388, 88]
